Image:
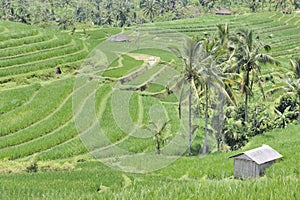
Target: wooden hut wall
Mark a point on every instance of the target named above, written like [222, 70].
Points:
[263, 167]
[245, 168]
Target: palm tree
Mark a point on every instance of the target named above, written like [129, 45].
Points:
[202, 72]
[150, 9]
[190, 57]
[210, 72]
[262, 5]
[248, 58]
[160, 135]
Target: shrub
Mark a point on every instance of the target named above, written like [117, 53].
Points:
[237, 132]
[288, 107]
[32, 168]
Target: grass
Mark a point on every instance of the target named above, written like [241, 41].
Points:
[65, 150]
[36, 109]
[24, 50]
[208, 177]
[155, 88]
[53, 122]
[36, 123]
[11, 99]
[128, 65]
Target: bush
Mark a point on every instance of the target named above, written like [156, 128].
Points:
[32, 168]
[237, 132]
[288, 107]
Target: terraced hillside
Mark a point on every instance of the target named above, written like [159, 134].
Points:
[279, 30]
[28, 52]
[36, 116]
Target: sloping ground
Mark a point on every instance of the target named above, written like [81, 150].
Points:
[208, 177]
[279, 30]
[27, 52]
[30, 53]
[36, 120]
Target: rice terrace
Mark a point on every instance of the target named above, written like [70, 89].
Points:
[149, 99]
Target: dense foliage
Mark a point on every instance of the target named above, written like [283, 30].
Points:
[241, 91]
[68, 13]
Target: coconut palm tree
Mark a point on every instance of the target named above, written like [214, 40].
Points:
[189, 54]
[202, 72]
[248, 58]
[211, 74]
[150, 9]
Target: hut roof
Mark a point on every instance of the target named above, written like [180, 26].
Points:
[261, 154]
[223, 11]
[119, 38]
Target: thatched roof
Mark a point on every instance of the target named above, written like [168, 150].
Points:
[223, 11]
[119, 38]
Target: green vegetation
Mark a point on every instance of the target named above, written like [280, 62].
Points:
[19, 95]
[44, 155]
[128, 65]
[207, 176]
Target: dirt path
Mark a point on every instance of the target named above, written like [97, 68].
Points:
[152, 60]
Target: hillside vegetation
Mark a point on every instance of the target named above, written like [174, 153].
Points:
[189, 177]
[22, 130]
[39, 131]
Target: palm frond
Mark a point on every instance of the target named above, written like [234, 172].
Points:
[264, 58]
[275, 89]
[295, 67]
[175, 50]
[165, 125]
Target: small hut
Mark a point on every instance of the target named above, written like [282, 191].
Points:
[223, 11]
[252, 163]
[119, 38]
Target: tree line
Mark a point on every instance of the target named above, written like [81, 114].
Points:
[67, 13]
[223, 71]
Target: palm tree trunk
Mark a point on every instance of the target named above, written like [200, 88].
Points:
[52, 10]
[190, 121]
[246, 96]
[205, 149]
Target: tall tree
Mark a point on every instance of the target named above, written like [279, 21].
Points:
[150, 9]
[210, 72]
[202, 72]
[189, 54]
[249, 57]
[262, 5]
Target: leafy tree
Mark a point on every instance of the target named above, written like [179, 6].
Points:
[283, 118]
